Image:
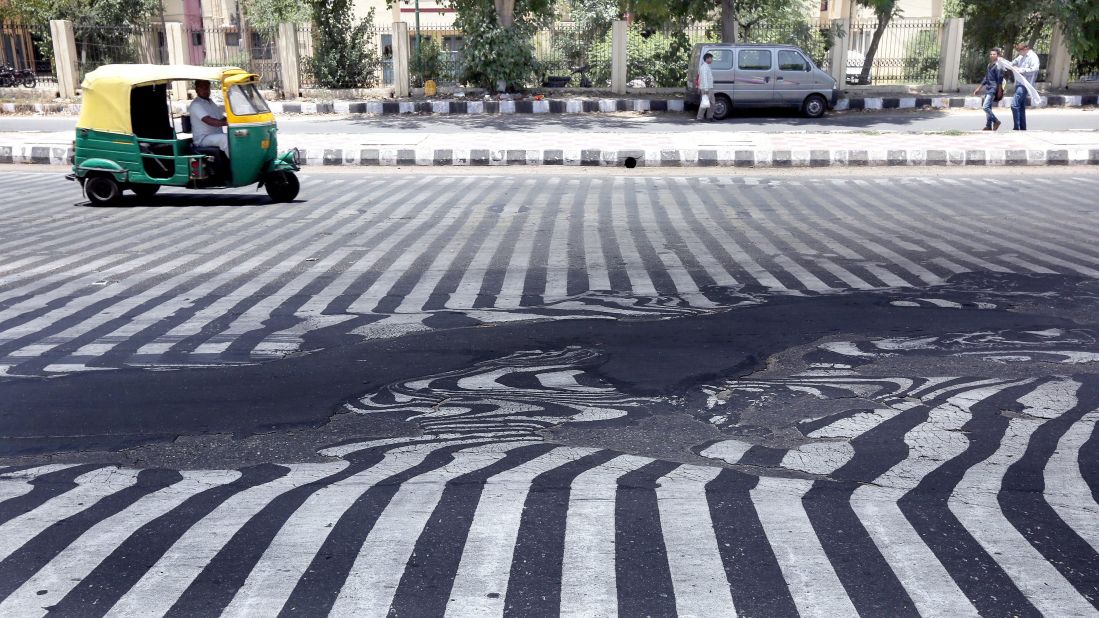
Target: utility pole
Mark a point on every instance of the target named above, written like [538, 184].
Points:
[419, 61]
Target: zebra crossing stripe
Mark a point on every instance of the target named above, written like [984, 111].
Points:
[251, 274]
[687, 275]
[377, 570]
[177, 567]
[517, 263]
[391, 252]
[694, 559]
[272, 578]
[481, 581]
[474, 277]
[81, 556]
[426, 285]
[974, 502]
[313, 312]
[90, 488]
[588, 561]
[1027, 242]
[237, 284]
[1065, 488]
[441, 544]
[19, 480]
[486, 519]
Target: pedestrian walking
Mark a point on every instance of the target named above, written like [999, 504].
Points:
[706, 86]
[1027, 64]
[993, 86]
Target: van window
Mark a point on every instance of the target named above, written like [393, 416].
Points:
[723, 59]
[755, 59]
[791, 61]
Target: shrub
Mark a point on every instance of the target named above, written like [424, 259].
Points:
[343, 56]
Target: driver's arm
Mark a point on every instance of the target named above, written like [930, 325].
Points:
[215, 122]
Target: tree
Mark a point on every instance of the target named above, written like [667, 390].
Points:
[1001, 23]
[884, 12]
[1079, 20]
[734, 16]
[343, 55]
[101, 27]
[266, 15]
[499, 44]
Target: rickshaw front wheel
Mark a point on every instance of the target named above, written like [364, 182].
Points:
[102, 190]
[282, 186]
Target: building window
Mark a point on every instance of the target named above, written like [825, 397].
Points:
[196, 39]
[232, 39]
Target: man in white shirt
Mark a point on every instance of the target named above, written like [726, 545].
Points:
[706, 87]
[207, 119]
[1028, 64]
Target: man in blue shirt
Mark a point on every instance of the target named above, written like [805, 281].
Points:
[993, 79]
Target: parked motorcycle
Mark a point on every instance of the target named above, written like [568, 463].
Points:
[563, 81]
[10, 77]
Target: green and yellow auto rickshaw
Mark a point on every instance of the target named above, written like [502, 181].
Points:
[126, 136]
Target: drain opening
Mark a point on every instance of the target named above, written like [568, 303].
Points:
[630, 163]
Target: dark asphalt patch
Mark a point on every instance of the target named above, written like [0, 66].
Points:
[126, 408]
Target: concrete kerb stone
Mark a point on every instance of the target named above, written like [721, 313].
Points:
[568, 106]
[427, 156]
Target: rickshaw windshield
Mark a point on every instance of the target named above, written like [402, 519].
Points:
[245, 100]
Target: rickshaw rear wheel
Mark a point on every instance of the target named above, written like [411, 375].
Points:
[145, 191]
[282, 186]
[102, 190]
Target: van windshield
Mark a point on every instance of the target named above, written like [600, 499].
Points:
[245, 100]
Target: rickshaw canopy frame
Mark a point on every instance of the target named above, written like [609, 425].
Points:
[106, 90]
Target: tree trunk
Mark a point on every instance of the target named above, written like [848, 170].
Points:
[728, 22]
[505, 12]
[868, 61]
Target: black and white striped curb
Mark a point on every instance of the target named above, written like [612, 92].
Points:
[567, 106]
[756, 158]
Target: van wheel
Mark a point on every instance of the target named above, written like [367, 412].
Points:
[282, 186]
[102, 190]
[145, 191]
[814, 106]
[723, 107]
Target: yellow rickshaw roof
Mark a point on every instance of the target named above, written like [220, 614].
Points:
[105, 92]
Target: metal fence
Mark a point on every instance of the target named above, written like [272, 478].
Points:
[100, 45]
[28, 47]
[907, 53]
[379, 38]
[238, 46]
[563, 46]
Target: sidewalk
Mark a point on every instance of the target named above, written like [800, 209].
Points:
[705, 148]
[574, 105]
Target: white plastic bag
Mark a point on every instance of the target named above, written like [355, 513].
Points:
[705, 102]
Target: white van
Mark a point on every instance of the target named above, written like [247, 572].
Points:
[762, 76]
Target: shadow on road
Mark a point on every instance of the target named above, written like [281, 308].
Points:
[188, 200]
[741, 120]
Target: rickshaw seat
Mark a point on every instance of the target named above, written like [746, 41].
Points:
[157, 168]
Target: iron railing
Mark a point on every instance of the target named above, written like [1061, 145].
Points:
[908, 51]
[239, 46]
[100, 45]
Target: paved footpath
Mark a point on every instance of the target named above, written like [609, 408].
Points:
[671, 149]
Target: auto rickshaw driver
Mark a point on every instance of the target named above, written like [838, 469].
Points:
[207, 119]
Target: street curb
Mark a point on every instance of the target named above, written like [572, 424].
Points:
[457, 107]
[745, 158]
